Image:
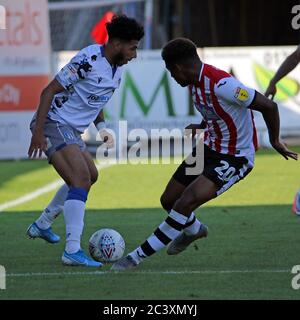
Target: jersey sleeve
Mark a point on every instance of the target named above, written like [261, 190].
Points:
[76, 70]
[234, 92]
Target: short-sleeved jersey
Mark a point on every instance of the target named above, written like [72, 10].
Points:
[89, 81]
[223, 102]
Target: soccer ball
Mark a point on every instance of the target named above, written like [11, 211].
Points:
[106, 245]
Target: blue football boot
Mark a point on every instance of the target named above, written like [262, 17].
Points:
[79, 258]
[34, 231]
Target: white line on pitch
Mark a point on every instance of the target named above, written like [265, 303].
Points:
[32, 195]
[96, 273]
[35, 194]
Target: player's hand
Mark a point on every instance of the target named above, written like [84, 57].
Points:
[38, 145]
[281, 148]
[191, 129]
[271, 91]
[107, 138]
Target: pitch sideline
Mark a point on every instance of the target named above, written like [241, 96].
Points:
[35, 194]
[169, 272]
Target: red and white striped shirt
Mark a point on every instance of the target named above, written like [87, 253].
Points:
[223, 102]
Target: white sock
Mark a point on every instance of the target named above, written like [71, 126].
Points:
[74, 214]
[57, 203]
[53, 209]
[194, 227]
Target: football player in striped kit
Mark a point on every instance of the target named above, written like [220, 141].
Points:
[229, 147]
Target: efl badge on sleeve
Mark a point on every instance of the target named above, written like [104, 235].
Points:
[241, 94]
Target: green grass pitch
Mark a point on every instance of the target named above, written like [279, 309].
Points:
[251, 248]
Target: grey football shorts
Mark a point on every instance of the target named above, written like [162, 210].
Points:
[58, 136]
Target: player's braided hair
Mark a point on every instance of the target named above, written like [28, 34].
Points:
[124, 28]
[179, 50]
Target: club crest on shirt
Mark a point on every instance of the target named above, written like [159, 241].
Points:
[241, 94]
[207, 112]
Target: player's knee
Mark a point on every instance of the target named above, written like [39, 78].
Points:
[86, 182]
[165, 202]
[94, 177]
[82, 180]
[186, 203]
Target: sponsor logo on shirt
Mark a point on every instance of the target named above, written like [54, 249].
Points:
[241, 94]
[95, 100]
[207, 111]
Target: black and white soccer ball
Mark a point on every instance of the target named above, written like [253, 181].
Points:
[106, 245]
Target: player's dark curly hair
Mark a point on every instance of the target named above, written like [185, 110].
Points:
[179, 50]
[124, 28]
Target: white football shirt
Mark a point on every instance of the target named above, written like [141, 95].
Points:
[89, 81]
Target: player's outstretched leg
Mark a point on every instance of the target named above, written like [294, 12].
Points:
[41, 228]
[199, 192]
[165, 233]
[296, 204]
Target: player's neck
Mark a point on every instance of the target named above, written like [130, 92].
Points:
[108, 54]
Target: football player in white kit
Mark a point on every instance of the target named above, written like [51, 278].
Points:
[229, 146]
[68, 105]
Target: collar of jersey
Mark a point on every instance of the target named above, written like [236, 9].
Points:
[201, 71]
